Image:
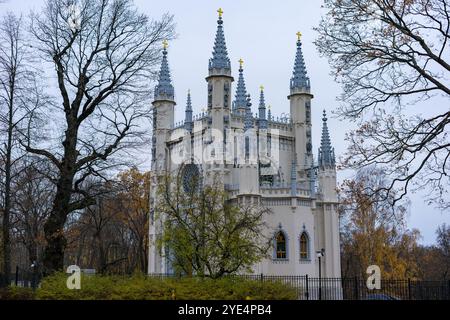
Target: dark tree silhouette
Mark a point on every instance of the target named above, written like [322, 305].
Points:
[388, 55]
[20, 99]
[104, 55]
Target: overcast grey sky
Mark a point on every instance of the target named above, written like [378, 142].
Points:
[262, 33]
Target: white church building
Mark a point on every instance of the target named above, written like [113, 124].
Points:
[260, 158]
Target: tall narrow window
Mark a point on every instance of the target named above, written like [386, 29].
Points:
[281, 246]
[304, 246]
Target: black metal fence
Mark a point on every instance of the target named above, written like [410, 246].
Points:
[354, 288]
[311, 288]
[22, 278]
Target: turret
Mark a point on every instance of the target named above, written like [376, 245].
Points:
[163, 112]
[329, 213]
[249, 176]
[300, 108]
[327, 164]
[262, 121]
[327, 158]
[219, 82]
[240, 102]
[188, 123]
[163, 119]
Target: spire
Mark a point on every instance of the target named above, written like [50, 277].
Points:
[248, 125]
[164, 89]
[300, 79]
[220, 58]
[269, 113]
[326, 151]
[262, 110]
[188, 124]
[248, 119]
[241, 92]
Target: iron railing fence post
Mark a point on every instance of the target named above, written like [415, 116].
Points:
[448, 290]
[17, 276]
[307, 287]
[409, 289]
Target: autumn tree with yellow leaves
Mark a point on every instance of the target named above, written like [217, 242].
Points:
[373, 231]
[133, 206]
[112, 235]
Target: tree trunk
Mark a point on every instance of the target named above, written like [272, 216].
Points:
[6, 217]
[102, 259]
[8, 168]
[142, 256]
[54, 226]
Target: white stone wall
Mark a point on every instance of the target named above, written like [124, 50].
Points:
[295, 214]
[294, 220]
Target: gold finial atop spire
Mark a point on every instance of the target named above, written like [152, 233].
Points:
[262, 88]
[220, 11]
[269, 107]
[299, 36]
[165, 44]
[189, 91]
[241, 62]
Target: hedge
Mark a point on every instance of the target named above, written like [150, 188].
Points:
[16, 293]
[148, 288]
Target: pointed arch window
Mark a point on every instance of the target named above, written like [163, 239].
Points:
[280, 246]
[304, 247]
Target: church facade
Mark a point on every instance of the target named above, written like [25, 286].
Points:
[260, 159]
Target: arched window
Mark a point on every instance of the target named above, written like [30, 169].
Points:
[280, 246]
[304, 250]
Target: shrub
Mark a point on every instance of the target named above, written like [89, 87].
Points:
[15, 293]
[150, 288]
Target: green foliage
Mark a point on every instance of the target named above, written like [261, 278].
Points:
[15, 293]
[140, 287]
[205, 234]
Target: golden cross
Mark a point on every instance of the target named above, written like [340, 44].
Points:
[262, 88]
[165, 44]
[241, 62]
[299, 35]
[220, 11]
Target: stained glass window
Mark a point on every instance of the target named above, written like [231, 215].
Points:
[304, 247]
[281, 245]
[191, 175]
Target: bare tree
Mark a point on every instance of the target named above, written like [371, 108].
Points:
[19, 98]
[105, 54]
[110, 235]
[434, 260]
[132, 206]
[32, 195]
[100, 222]
[388, 55]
